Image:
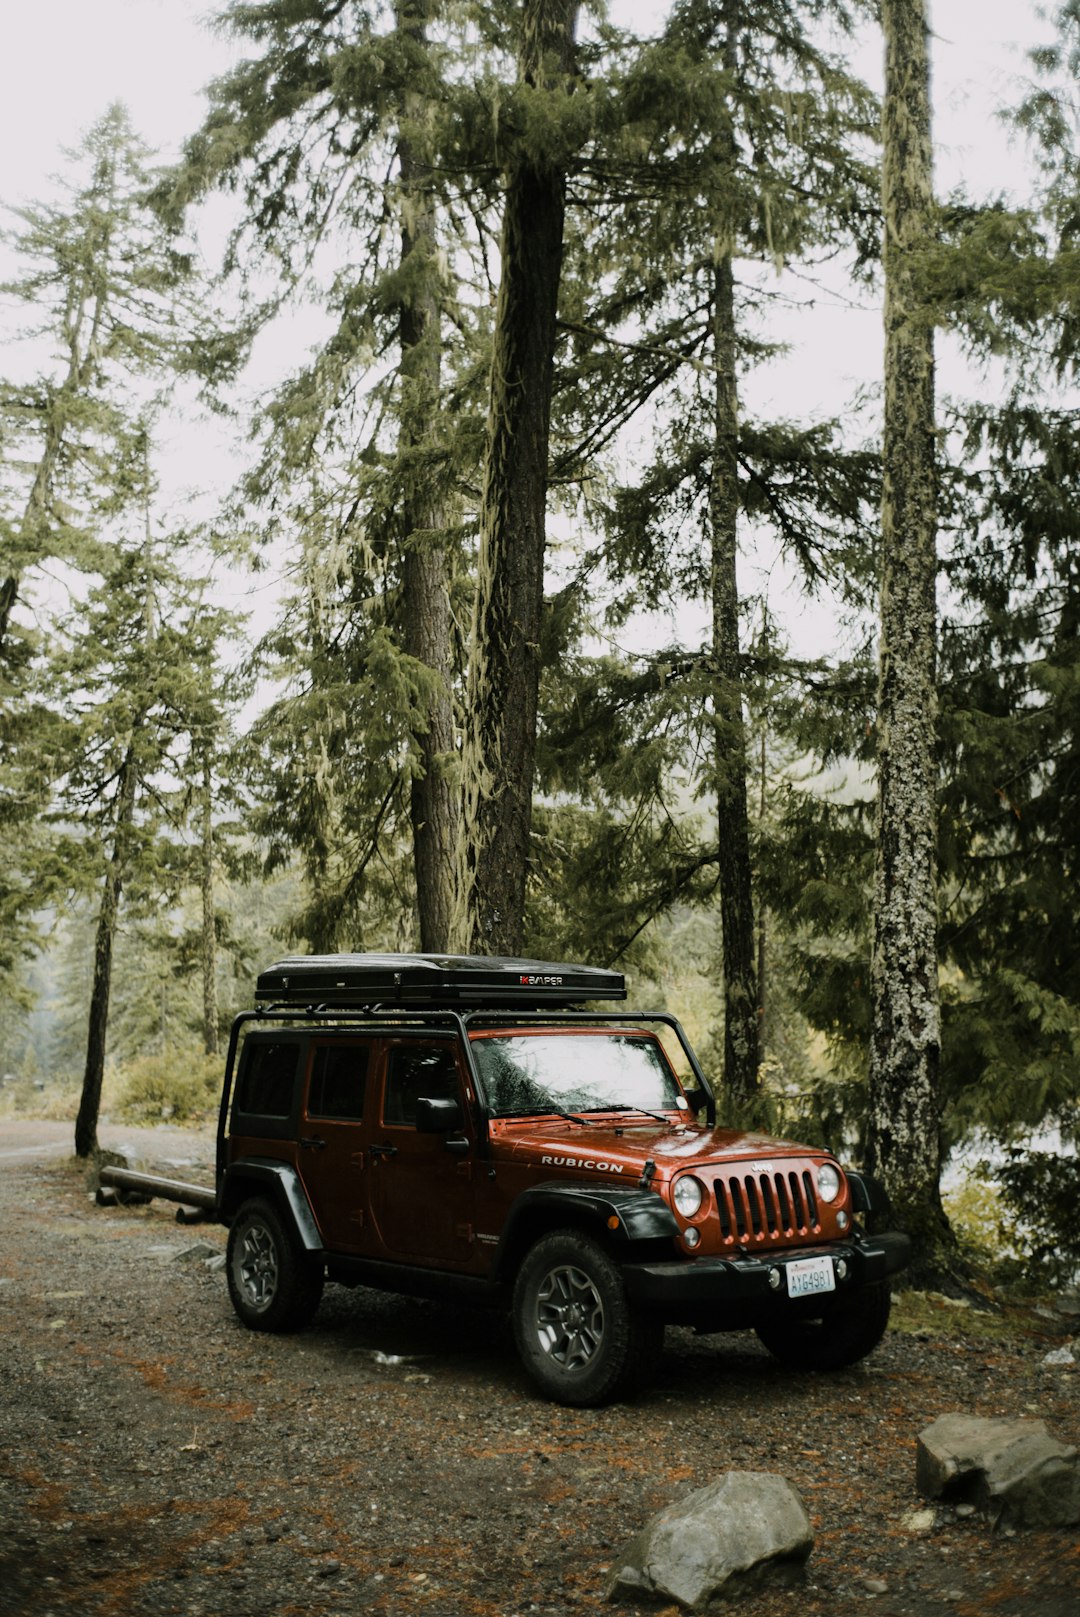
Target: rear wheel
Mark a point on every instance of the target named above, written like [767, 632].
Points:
[579, 1338]
[850, 1328]
[274, 1284]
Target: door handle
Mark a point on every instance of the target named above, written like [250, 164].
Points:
[383, 1150]
[313, 1144]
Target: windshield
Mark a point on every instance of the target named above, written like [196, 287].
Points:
[575, 1072]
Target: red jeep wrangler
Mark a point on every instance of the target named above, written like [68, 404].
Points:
[458, 1127]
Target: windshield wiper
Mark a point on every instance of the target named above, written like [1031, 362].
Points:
[544, 1111]
[644, 1110]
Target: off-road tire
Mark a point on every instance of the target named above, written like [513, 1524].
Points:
[578, 1335]
[274, 1284]
[849, 1329]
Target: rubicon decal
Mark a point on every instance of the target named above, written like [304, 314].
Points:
[580, 1162]
[535, 980]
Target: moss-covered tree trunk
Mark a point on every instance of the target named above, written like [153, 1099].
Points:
[86, 1139]
[903, 1140]
[211, 1035]
[741, 1057]
[504, 667]
[426, 592]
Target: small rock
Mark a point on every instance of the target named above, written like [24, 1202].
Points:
[745, 1524]
[1013, 1470]
[875, 1586]
[918, 1521]
[1069, 1304]
[329, 1569]
[1061, 1355]
[964, 1511]
[216, 1263]
[201, 1249]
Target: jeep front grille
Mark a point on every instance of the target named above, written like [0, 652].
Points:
[760, 1207]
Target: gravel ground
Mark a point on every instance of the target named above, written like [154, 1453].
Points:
[157, 1458]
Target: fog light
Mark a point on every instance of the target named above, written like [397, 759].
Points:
[692, 1237]
[841, 1268]
[841, 1220]
[775, 1278]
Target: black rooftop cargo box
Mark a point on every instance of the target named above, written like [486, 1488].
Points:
[488, 982]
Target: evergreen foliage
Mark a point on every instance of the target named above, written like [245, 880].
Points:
[700, 811]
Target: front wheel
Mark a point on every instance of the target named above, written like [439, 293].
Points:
[849, 1329]
[579, 1337]
[273, 1283]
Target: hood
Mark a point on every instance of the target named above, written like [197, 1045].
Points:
[626, 1145]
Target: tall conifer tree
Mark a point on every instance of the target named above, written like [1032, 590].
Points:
[330, 133]
[108, 298]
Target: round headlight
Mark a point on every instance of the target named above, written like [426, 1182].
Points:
[688, 1195]
[828, 1182]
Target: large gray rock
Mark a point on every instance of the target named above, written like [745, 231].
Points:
[1011, 1469]
[745, 1526]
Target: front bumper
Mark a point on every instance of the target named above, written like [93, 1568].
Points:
[709, 1283]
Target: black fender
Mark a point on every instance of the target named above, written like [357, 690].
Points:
[280, 1183]
[870, 1200]
[623, 1216]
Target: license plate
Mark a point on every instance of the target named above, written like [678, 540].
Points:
[809, 1276]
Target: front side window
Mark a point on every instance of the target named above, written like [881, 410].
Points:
[550, 1072]
[415, 1070]
[338, 1082]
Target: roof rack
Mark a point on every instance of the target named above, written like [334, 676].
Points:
[432, 981]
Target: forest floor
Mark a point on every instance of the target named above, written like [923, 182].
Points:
[159, 1460]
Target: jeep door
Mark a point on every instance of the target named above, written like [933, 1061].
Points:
[421, 1185]
[338, 1097]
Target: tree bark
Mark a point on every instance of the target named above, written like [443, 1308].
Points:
[903, 1134]
[426, 571]
[86, 1139]
[500, 737]
[741, 1055]
[211, 1036]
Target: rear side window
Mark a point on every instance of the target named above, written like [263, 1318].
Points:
[338, 1082]
[268, 1080]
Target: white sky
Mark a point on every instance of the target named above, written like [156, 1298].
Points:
[65, 61]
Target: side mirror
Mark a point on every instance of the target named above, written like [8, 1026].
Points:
[438, 1116]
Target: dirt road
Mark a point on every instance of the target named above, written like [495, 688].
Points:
[156, 1458]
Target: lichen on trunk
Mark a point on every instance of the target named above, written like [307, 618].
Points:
[903, 1133]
